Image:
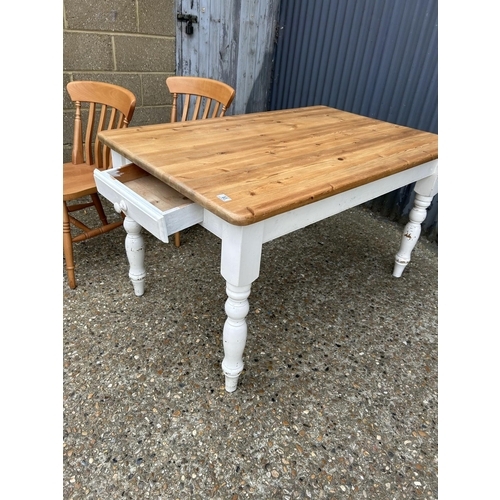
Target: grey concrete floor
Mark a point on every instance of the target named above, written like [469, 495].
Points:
[338, 398]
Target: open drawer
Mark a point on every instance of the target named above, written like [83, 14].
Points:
[154, 205]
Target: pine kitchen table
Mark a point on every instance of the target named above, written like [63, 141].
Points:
[252, 178]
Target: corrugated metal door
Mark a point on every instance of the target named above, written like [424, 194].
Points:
[375, 58]
[232, 41]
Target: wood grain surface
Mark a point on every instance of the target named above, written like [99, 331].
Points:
[247, 168]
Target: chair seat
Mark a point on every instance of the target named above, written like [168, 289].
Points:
[78, 180]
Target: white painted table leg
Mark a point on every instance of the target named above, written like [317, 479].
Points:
[134, 246]
[235, 333]
[425, 190]
[411, 233]
[240, 266]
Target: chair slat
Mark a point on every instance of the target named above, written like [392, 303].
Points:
[105, 153]
[98, 157]
[185, 109]
[215, 112]
[208, 103]
[196, 110]
[88, 134]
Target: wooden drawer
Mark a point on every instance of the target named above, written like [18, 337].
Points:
[150, 202]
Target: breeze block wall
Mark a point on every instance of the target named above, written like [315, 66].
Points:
[126, 42]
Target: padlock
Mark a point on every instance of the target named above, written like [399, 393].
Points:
[189, 28]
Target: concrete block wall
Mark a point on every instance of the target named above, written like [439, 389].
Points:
[126, 42]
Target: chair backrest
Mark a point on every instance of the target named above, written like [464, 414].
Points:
[203, 97]
[109, 106]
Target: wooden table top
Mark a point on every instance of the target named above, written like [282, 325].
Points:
[246, 168]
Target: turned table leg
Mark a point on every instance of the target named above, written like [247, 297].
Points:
[240, 266]
[424, 192]
[134, 246]
[235, 333]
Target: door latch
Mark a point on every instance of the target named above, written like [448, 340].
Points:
[189, 20]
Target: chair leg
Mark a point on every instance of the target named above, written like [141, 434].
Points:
[99, 208]
[68, 248]
[177, 239]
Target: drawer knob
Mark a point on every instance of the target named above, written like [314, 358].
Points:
[121, 207]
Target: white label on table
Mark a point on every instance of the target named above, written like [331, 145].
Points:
[223, 197]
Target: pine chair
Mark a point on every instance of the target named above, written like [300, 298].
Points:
[109, 106]
[203, 98]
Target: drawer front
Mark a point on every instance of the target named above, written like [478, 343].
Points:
[161, 223]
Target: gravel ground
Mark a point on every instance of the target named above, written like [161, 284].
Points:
[338, 398]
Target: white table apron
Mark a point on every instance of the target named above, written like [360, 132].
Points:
[242, 246]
